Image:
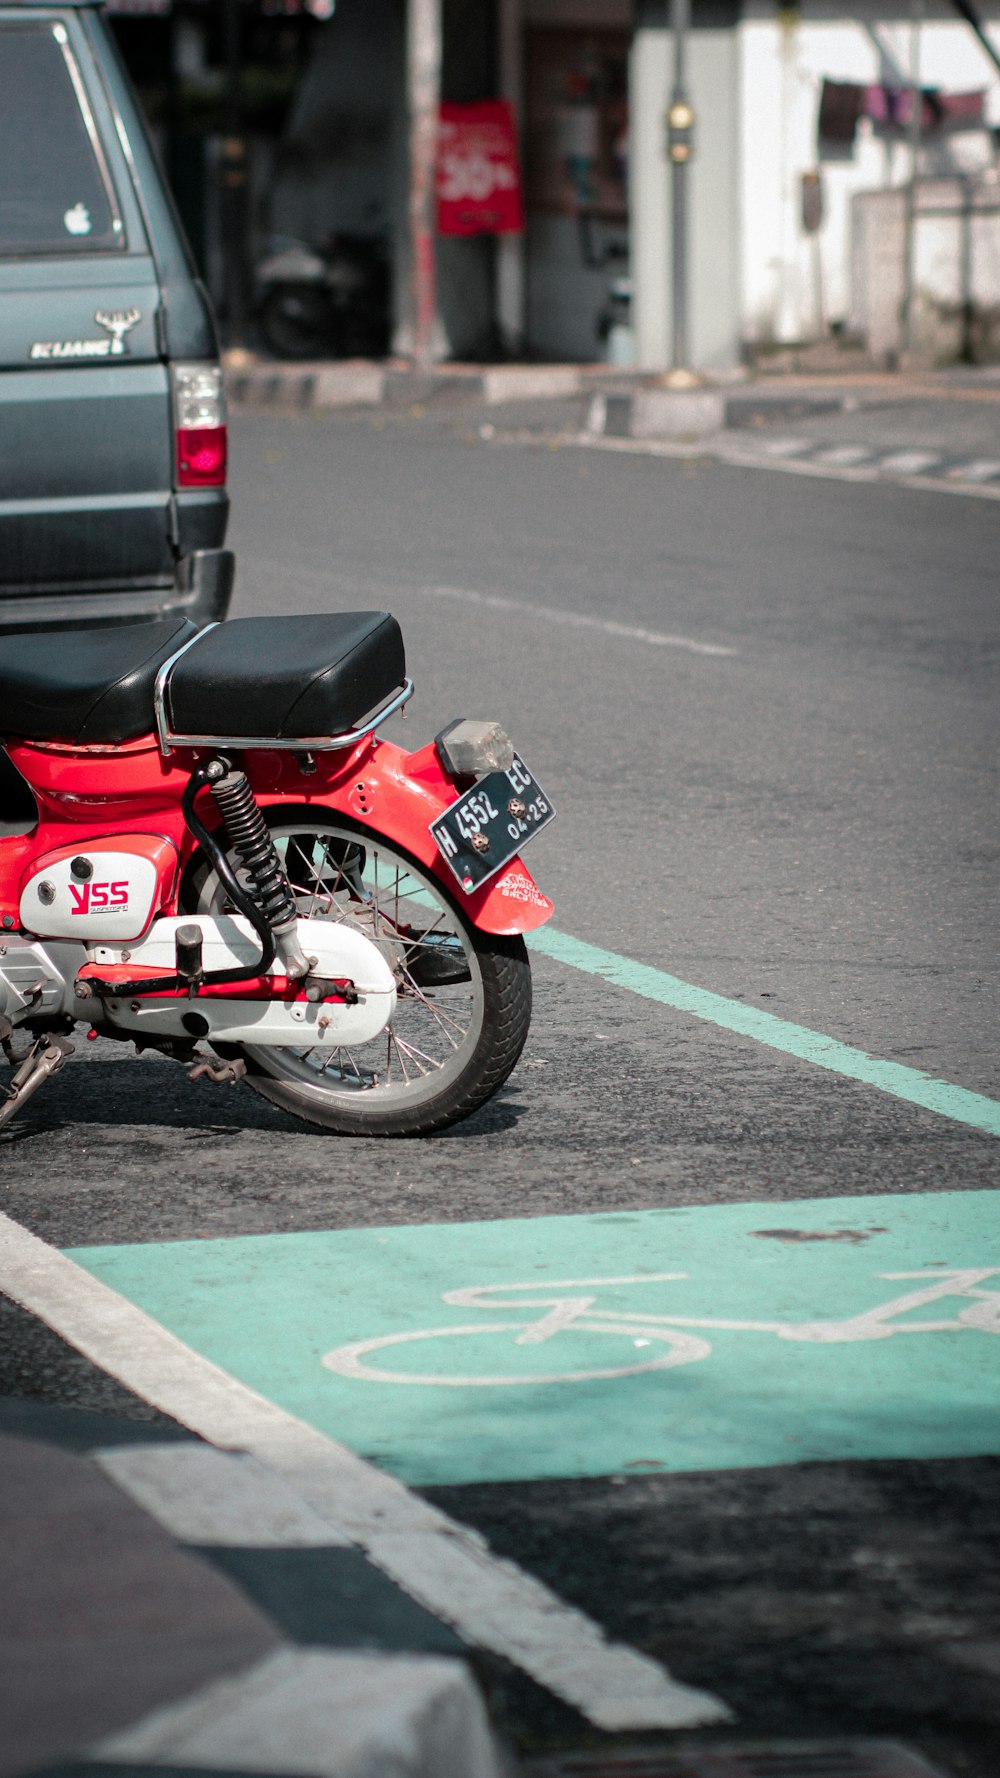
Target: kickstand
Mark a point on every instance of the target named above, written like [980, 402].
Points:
[44, 1059]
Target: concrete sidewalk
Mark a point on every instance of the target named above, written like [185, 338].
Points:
[167, 1605]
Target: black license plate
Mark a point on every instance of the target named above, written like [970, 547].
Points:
[490, 824]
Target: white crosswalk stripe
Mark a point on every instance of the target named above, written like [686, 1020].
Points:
[983, 469]
[908, 462]
[934, 470]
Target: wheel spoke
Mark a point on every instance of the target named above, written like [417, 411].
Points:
[424, 936]
[416, 1056]
[392, 1041]
[355, 1070]
[439, 1014]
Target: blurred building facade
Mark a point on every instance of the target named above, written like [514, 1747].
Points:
[793, 232]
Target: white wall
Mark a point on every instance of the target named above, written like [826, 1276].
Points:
[781, 70]
[956, 260]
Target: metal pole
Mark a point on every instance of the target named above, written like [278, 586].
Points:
[680, 132]
[916, 120]
[424, 88]
[680, 21]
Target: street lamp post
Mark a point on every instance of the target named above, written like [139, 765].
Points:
[680, 146]
[681, 404]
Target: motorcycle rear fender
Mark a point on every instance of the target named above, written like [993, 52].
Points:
[399, 794]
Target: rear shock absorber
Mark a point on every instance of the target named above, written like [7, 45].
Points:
[250, 837]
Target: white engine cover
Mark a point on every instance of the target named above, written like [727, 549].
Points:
[117, 903]
[229, 941]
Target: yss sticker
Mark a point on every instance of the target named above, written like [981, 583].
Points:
[92, 897]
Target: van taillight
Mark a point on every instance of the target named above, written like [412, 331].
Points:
[200, 425]
[201, 456]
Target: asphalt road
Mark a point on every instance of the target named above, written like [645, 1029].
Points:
[767, 711]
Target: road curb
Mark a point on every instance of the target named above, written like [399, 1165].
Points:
[320, 385]
[259, 1640]
[321, 1715]
[359, 383]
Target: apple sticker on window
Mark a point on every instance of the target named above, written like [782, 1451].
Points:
[77, 220]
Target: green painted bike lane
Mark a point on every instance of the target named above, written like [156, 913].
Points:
[722, 1337]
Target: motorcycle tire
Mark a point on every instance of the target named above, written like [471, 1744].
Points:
[295, 321]
[464, 996]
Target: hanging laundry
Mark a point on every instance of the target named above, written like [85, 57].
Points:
[889, 108]
[841, 107]
[961, 111]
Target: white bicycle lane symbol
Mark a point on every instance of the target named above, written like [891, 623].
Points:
[567, 1313]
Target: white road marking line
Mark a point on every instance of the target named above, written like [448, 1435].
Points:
[981, 469]
[323, 1715]
[908, 462]
[842, 456]
[441, 1563]
[226, 1498]
[576, 620]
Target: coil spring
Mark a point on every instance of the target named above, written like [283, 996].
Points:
[250, 837]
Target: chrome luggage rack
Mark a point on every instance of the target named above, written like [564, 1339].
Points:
[169, 740]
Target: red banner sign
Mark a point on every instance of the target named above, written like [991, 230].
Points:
[478, 175]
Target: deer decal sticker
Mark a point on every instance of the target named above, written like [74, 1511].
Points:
[118, 323]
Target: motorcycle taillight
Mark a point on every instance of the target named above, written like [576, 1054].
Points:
[200, 425]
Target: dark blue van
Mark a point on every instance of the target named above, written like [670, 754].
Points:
[113, 502]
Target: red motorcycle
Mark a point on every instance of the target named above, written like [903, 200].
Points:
[220, 850]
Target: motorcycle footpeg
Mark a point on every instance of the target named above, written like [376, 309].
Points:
[219, 1073]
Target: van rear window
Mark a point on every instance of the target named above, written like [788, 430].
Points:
[55, 192]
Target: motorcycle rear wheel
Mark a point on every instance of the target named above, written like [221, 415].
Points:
[464, 996]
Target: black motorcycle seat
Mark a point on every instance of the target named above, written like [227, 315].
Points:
[263, 678]
[88, 686]
[287, 678]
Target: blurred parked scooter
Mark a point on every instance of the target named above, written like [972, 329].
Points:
[325, 302]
